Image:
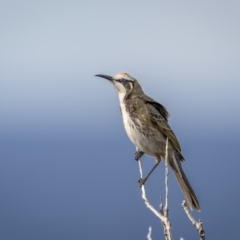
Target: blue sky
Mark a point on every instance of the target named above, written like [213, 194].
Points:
[67, 168]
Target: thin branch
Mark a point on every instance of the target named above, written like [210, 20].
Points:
[163, 214]
[166, 178]
[198, 225]
[149, 236]
[167, 223]
[159, 215]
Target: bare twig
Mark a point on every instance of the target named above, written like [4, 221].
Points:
[163, 214]
[149, 236]
[159, 215]
[167, 223]
[198, 225]
[166, 178]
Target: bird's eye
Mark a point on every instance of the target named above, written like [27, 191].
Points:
[121, 80]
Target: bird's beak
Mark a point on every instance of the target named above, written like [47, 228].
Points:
[110, 78]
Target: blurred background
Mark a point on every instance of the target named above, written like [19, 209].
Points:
[67, 168]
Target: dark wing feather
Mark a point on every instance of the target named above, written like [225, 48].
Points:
[161, 109]
[159, 117]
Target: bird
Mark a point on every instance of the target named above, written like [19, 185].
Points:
[146, 124]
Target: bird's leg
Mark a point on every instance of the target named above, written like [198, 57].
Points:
[143, 180]
[138, 155]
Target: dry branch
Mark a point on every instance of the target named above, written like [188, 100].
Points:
[198, 225]
[149, 236]
[163, 214]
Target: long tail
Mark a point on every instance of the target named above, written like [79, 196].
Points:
[185, 186]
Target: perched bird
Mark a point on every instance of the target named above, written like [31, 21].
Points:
[146, 124]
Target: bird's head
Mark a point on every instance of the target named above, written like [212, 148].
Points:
[124, 83]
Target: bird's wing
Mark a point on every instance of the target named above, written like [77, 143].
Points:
[159, 107]
[159, 117]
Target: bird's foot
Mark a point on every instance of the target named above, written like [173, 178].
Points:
[138, 155]
[141, 181]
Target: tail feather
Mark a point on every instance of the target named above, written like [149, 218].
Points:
[186, 188]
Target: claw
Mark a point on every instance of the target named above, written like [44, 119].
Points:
[141, 181]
